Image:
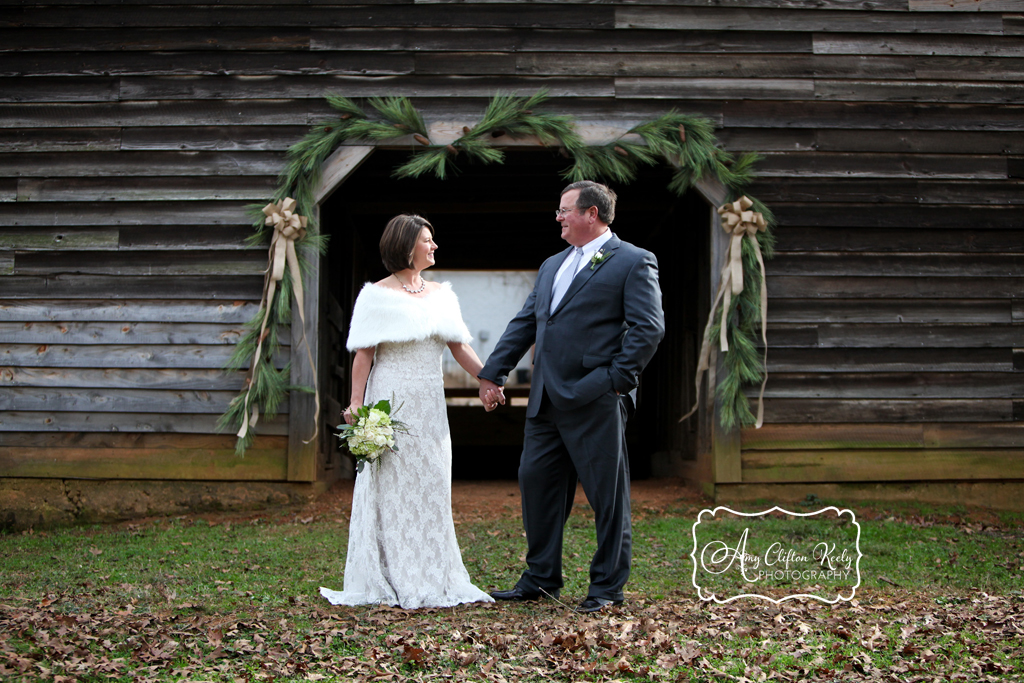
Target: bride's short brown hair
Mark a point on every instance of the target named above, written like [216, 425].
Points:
[399, 239]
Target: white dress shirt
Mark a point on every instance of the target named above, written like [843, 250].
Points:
[589, 249]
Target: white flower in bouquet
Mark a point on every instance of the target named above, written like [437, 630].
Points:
[373, 433]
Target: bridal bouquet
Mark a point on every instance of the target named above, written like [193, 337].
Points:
[373, 433]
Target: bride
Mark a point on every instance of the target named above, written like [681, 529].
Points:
[402, 548]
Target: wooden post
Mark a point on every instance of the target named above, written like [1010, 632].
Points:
[725, 445]
[725, 448]
[303, 436]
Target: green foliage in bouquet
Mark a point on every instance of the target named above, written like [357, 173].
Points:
[373, 434]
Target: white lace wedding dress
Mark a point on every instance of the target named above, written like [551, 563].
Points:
[402, 548]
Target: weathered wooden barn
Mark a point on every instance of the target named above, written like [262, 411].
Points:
[134, 133]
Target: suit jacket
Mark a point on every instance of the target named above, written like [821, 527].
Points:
[599, 339]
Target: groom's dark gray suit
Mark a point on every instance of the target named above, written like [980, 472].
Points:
[589, 354]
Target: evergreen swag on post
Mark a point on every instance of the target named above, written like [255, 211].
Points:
[686, 143]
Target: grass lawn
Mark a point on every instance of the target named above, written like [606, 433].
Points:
[236, 598]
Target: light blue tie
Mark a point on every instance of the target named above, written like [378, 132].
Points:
[562, 286]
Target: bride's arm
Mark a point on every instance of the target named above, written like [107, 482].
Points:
[361, 365]
[466, 357]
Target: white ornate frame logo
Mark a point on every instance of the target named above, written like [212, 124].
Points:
[698, 561]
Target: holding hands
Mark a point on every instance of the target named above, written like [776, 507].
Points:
[491, 394]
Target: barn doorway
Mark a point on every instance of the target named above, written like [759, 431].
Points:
[499, 218]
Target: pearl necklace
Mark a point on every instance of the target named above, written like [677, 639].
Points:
[423, 285]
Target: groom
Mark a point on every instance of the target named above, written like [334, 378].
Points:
[596, 319]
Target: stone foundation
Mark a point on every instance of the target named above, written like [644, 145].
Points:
[46, 503]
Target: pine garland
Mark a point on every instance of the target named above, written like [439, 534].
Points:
[686, 142]
[743, 364]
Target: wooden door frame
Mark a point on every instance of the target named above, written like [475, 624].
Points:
[722, 462]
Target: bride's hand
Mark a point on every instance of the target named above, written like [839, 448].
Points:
[347, 415]
[491, 394]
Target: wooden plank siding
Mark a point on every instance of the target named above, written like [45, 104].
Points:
[132, 137]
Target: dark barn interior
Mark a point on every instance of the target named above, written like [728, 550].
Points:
[499, 217]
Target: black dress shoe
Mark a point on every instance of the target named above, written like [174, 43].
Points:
[517, 594]
[591, 605]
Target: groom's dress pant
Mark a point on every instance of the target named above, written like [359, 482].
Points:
[588, 443]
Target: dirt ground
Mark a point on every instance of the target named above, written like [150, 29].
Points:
[474, 501]
[482, 500]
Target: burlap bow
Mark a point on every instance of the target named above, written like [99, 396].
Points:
[740, 222]
[288, 227]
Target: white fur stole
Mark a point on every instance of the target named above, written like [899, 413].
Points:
[388, 315]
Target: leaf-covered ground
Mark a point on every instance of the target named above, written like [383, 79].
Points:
[890, 638]
[234, 598]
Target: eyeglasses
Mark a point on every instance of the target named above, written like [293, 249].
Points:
[561, 212]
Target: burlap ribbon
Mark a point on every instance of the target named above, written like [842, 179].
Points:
[740, 222]
[288, 227]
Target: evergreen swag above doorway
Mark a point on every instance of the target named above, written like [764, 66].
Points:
[684, 142]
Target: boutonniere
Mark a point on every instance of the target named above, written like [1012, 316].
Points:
[598, 258]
